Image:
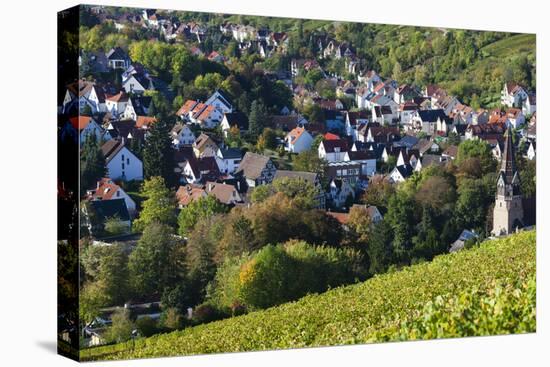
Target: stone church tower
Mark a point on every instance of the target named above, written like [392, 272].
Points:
[508, 212]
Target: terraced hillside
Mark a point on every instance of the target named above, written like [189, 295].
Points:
[486, 290]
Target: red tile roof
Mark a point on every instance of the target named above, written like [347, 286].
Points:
[331, 136]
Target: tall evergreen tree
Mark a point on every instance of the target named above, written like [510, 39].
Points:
[137, 148]
[258, 117]
[158, 154]
[380, 248]
[92, 163]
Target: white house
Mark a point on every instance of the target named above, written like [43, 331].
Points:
[182, 135]
[529, 106]
[220, 101]
[232, 119]
[137, 106]
[407, 158]
[339, 192]
[513, 95]
[333, 150]
[116, 104]
[118, 58]
[443, 126]
[197, 170]
[353, 121]
[150, 17]
[191, 174]
[426, 120]
[401, 173]
[87, 126]
[207, 116]
[84, 93]
[532, 150]
[228, 160]
[366, 159]
[106, 189]
[515, 117]
[362, 95]
[137, 83]
[383, 114]
[298, 140]
[121, 162]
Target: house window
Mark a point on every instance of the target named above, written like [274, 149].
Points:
[128, 161]
[123, 157]
[122, 165]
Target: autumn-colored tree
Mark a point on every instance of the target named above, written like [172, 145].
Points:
[437, 193]
[378, 193]
[360, 222]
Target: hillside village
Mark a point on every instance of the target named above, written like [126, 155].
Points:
[348, 136]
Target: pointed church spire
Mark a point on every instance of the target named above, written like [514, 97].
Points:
[508, 209]
[508, 164]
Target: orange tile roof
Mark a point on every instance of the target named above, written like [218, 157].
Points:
[513, 113]
[105, 190]
[119, 97]
[342, 218]
[143, 122]
[187, 107]
[80, 122]
[187, 194]
[295, 134]
[206, 112]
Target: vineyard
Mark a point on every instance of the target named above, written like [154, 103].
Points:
[486, 290]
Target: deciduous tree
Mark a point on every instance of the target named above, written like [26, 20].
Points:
[160, 205]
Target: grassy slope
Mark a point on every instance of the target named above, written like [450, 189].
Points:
[491, 287]
[512, 45]
[493, 56]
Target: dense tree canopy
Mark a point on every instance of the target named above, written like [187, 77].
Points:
[92, 163]
[157, 262]
[158, 153]
[159, 205]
